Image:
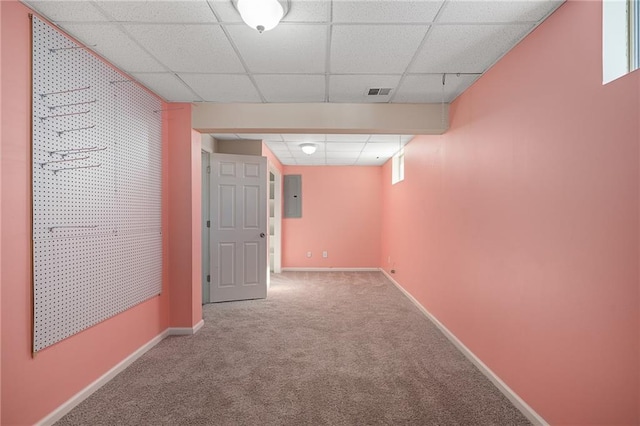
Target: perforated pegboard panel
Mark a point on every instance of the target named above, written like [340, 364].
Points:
[97, 195]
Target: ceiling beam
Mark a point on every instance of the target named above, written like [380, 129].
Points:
[400, 119]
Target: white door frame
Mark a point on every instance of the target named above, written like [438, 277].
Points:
[277, 213]
[207, 145]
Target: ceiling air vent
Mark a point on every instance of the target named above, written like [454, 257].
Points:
[386, 91]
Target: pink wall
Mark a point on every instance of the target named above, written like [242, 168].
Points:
[183, 199]
[518, 228]
[33, 387]
[340, 214]
[266, 152]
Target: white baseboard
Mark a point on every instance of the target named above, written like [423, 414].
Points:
[185, 331]
[294, 269]
[72, 402]
[76, 399]
[518, 402]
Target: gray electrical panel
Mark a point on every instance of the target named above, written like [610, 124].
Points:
[293, 196]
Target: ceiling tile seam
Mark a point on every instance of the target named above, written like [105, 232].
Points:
[240, 58]
[100, 11]
[504, 53]
[297, 23]
[424, 74]
[362, 150]
[325, 149]
[410, 64]
[133, 40]
[551, 12]
[346, 74]
[482, 24]
[200, 98]
[311, 74]
[327, 59]
[430, 23]
[382, 24]
[143, 23]
[417, 52]
[121, 28]
[499, 58]
[288, 150]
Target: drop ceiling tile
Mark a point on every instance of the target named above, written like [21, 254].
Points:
[428, 88]
[348, 138]
[68, 11]
[112, 43]
[158, 11]
[288, 48]
[188, 48]
[249, 136]
[376, 155]
[466, 48]
[391, 138]
[387, 49]
[341, 162]
[369, 162]
[309, 11]
[294, 148]
[300, 11]
[291, 87]
[344, 147]
[225, 136]
[308, 161]
[292, 137]
[287, 161]
[354, 88]
[262, 136]
[167, 86]
[277, 147]
[282, 154]
[496, 11]
[225, 11]
[380, 149]
[343, 154]
[222, 87]
[347, 157]
[376, 11]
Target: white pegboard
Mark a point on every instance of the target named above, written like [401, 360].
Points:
[97, 195]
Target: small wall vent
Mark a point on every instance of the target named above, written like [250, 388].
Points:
[377, 91]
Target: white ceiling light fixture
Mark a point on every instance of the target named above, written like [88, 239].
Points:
[262, 15]
[308, 148]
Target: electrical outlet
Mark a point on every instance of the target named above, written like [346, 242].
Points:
[308, 254]
[389, 259]
[325, 254]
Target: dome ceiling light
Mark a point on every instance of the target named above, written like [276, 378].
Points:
[262, 15]
[308, 148]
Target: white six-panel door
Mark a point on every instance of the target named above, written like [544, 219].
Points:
[238, 227]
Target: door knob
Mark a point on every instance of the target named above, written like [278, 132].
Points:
[262, 235]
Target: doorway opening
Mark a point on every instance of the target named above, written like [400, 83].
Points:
[275, 220]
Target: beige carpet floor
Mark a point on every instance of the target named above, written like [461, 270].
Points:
[325, 348]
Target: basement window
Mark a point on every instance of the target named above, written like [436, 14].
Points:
[620, 38]
[397, 167]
